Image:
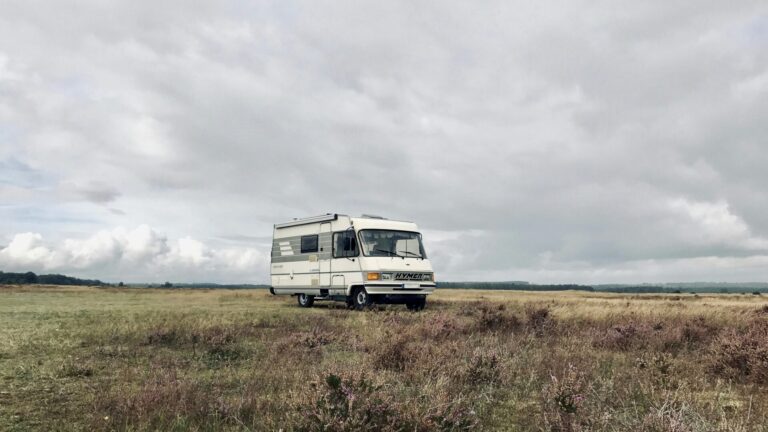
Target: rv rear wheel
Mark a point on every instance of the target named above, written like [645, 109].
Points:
[360, 298]
[305, 300]
[416, 305]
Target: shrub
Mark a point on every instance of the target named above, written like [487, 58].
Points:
[563, 401]
[397, 318]
[74, 368]
[484, 367]
[348, 401]
[665, 421]
[743, 355]
[441, 326]
[222, 353]
[659, 367]
[454, 415]
[355, 401]
[165, 399]
[620, 337]
[219, 343]
[539, 320]
[470, 309]
[692, 334]
[313, 339]
[395, 353]
[495, 317]
[215, 336]
[163, 336]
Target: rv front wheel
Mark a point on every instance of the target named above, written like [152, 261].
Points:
[361, 299]
[305, 300]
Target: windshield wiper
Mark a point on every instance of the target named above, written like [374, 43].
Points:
[389, 252]
[413, 253]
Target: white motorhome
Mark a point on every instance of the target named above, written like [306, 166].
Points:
[359, 260]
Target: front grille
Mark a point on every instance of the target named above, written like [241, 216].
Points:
[413, 276]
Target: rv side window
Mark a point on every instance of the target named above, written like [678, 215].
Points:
[344, 244]
[309, 244]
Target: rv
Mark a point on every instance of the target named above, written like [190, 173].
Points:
[358, 260]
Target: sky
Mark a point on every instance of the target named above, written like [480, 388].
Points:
[552, 142]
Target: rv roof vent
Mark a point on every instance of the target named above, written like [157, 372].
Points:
[372, 216]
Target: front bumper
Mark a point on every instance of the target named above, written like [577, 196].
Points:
[400, 288]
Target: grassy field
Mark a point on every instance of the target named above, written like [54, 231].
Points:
[140, 359]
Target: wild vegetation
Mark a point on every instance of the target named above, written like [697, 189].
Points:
[81, 358]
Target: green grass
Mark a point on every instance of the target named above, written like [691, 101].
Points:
[75, 358]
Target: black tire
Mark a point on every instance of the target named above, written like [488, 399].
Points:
[361, 299]
[305, 300]
[416, 305]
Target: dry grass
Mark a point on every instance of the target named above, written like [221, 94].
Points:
[122, 359]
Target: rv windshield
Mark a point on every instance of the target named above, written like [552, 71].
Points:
[403, 244]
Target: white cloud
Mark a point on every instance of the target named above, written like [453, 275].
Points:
[140, 254]
[102, 248]
[188, 252]
[141, 244]
[713, 223]
[27, 250]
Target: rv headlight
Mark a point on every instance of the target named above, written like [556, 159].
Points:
[374, 276]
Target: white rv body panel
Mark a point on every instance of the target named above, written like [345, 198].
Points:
[308, 258]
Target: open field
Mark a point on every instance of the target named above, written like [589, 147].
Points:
[139, 359]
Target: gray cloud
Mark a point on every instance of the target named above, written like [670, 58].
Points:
[93, 191]
[562, 143]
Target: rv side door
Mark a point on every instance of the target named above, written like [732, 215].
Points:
[324, 255]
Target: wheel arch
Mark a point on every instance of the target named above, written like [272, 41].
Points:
[351, 288]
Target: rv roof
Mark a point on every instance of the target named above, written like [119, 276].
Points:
[309, 220]
[323, 218]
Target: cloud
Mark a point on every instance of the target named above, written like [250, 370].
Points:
[713, 223]
[137, 255]
[93, 191]
[566, 143]
[26, 250]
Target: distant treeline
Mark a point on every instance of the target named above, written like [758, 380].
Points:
[671, 288]
[202, 285]
[48, 279]
[692, 288]
[521, 286]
